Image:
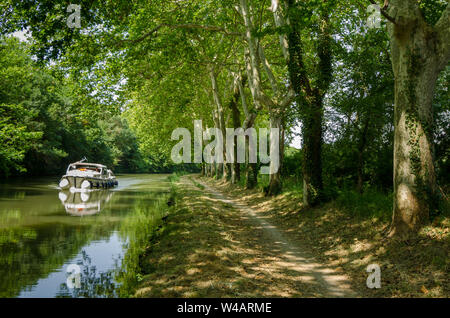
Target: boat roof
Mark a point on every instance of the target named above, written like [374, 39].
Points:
[88, 164]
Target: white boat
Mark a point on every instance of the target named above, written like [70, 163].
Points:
[84, 176]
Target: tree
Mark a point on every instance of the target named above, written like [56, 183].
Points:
[360, 102]
[19, 131]
[310, 89]
[279, 99]
[419, 51]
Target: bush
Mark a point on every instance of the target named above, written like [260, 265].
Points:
[372, 203]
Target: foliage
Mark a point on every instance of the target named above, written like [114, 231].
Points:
[42, 129]
[15, 137]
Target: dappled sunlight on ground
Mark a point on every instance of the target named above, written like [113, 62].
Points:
[248, 245]
[417, 267]
[215, 250]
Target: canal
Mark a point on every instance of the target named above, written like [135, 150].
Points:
[64, 244]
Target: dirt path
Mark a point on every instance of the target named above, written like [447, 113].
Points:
[213, 245]
[312, 278]
[220, 240]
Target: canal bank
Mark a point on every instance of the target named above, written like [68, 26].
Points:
[211, 247]
[224, 241]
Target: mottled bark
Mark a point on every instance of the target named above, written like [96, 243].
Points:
[236, 116]
[274, 187]
[251, 179]
[223, 168]
[255, 57]
[419, 52]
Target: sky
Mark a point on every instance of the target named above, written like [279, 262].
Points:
[20, 35]
[297, 140]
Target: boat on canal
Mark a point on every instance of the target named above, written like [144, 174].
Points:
[83, 175]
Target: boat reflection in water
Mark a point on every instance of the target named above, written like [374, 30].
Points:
[86, 202]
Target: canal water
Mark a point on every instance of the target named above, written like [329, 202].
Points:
[64, 244]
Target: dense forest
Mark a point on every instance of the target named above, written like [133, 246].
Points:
[369, 102]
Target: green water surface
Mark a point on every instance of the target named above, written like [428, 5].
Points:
[43, 231]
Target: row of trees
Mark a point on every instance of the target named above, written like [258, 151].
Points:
[358, 94]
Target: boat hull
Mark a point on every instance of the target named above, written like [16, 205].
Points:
[85, 183]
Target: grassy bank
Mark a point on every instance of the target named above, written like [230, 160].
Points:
[191, 255]
[142, 229]
[206, 248]
[350, 233]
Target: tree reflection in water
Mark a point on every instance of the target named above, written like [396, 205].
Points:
[93, 284]
[38, 239]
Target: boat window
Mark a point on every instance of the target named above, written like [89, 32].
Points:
[84, 168]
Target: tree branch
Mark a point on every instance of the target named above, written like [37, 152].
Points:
[143, 37]
[253, 61]
[242, 93]
[280, 22]
[383, 10]
[268, 70]
[288, 99]
[211, 28]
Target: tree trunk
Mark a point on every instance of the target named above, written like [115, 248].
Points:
[213, 170]
[223, 170]
[416, 63]
[254, 56]
[310, 97]
[251, 177]
[275, 185]
[203, 172]
[361, 148]
[236, 116]
[312, 153]
[360, 184]
[220, 170]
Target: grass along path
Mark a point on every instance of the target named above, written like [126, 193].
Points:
[292, 258]
[348, 240]
[214, 246]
